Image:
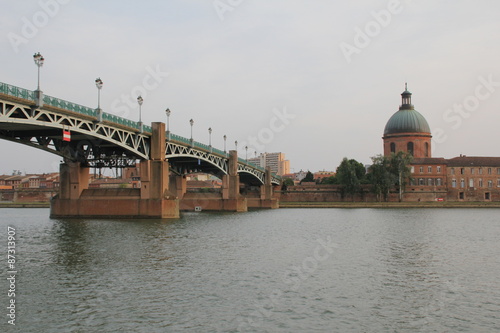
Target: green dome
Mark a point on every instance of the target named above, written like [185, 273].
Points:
[407, 121]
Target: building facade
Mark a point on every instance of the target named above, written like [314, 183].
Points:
[463, 178]
[276, 161]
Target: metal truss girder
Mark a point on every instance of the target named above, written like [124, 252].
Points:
[135, 143]
[176, 150]
[260, 175]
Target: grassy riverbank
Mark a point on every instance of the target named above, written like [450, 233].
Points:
[446, 204]
[24, 204]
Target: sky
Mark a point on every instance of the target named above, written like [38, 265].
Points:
[316, 80]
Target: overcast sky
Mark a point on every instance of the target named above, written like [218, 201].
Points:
[316, 80]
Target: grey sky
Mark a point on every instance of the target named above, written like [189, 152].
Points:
[239, 66]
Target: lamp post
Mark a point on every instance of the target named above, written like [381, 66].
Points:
[236, 144]
[225, 138]
[210, 138]
[99, 84]
[246, 153]
[39, 60]
[140, 100]
[167, 112]
[191, 122]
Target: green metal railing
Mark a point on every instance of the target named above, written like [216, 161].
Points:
[62, 104]
[16, 91]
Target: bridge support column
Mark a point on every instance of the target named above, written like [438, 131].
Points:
[178, 185]
[266, 194]
[232, 200]
[152, 200]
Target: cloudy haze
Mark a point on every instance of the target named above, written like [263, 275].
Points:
[316, 80]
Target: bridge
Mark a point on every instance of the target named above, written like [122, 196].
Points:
[90, 138]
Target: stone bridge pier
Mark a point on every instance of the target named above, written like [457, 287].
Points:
[152, 200]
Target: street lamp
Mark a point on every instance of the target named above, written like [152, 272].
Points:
[225, 138]
[39, 60]
[236, 144]
[167, 111]
[246, 153]
[140, 100]
[99, 84]
[210, 138]
[191, 122]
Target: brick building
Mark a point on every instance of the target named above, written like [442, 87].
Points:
[463, 178]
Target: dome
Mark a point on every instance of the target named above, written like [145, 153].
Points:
[407, 121]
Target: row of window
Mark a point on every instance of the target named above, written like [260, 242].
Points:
[427, 182]
[429, 169]
[410, 148]
[473, 171]
[452, 170]
[472, 183]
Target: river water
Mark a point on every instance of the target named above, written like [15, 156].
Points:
[286, 270]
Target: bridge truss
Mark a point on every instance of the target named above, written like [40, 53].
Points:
[95, 144]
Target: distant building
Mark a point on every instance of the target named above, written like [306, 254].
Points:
[276, 161]
[463, 178]
[318, 176]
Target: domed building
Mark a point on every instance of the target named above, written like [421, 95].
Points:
[463, 178]
[407, 130]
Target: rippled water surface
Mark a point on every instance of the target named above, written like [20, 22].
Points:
[286, 270]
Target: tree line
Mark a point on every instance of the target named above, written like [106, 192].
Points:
[385, 173]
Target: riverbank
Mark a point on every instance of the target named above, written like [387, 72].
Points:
[24, 204]
[445, 204]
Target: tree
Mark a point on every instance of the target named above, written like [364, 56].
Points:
[286, 183]
[308, 178]
[329, 180]
[350, 174]
[380, 176]
[400, 166]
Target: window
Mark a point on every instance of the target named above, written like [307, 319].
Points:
[489, 171]
[393, 147]
[480, 171]
[412, 169]
[452, 171]
[426, 149]
[462, 183]
[439, 169]
[430, 182]
[462, 171]
[409, 147]
[480, 182]
[429, 169]
[487, 196]
[421, 181]
[454, 183]
[421, 169]
[439, 182]
[461, 196]
[471, 182]
[498, 171]
[498, 182]
[471, 171]
[490, 183]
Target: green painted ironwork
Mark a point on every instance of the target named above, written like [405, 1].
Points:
[16, 91]
[62, 104]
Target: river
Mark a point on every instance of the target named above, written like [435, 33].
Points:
[285, 270]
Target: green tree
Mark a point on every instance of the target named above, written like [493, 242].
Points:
[380, 177]
[400, 166]
[286, 183]
[308, 178]
[329, 180]
[350, 174]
